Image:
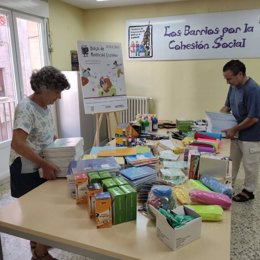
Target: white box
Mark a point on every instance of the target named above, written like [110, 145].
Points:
[214, 167]
[176, 238]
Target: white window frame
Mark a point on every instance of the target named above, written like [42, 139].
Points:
[15, 59]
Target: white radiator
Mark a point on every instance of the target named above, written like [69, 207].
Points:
[135, 105]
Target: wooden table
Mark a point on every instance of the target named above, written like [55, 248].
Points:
[49, 215]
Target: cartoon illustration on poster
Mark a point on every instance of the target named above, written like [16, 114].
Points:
[102, 76]
[140, 41]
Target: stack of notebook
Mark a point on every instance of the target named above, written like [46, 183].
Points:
[141, 159]
[138, 176]
[62, 151]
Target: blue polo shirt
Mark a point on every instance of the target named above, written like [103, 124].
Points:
[244, 102]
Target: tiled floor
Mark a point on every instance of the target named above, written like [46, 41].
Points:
[245, 232]
[15, 248]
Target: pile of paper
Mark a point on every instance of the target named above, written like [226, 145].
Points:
[218, 121]
[62, 151]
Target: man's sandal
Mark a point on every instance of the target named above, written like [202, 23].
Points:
[45, 256]
[244, 196]
[33, 245]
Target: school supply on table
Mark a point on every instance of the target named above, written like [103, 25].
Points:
[208, 212]
[204, 147]
[92, 165]
[103, 210]
[166, 124]
[160, 196]
[141, 159]
[166, 144]
[137, 176]
[197, 184]
[181, 235]
[168, 155]
[210, 198]
[216, 185]
[182, 191]
[193, 164]
[81, 181]
[118, 152]
[208, 135]
[176, 164]
[213, 166]
[174, 219]
[172, 176]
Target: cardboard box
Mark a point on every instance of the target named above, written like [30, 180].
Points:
[119, 180]
[94, 177]
[118, 205]
[92, 190]
[81, 181]
[131, 201]
[108, 184]
[193, 162]
[104, 175]
[103, 210]
[176, 238]
[214, 167]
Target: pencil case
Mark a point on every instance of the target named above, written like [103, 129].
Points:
[210, 198]
[216, 185]
[208, 212]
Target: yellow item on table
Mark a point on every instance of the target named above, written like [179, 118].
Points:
[182, 194]
[187, 140]
[89, 156]
[117, 152]
[208, 212]
[196, 184]
[178, 149]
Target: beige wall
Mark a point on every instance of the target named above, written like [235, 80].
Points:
[66, 26]
[180, 89]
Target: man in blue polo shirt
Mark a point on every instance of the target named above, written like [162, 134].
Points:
[243, 100]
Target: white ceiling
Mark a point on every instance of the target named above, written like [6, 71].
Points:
[92, 4]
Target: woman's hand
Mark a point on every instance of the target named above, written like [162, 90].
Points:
[50, 171]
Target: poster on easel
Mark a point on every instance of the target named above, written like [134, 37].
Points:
[102, 76]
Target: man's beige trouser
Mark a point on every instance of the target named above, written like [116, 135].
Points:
[249, 153]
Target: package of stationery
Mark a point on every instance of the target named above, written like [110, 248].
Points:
[104, 175]
[119, 180]
[92, 189]
[103, 210]
[118, 205]
[172, 176]
[210, 198]
[160, 196]
[216, 185]
[177, 228]
[108, 183]
[131, 201]
[81, 181]
[94, 177]
[208, 212]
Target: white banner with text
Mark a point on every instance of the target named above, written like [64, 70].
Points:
[199, 36]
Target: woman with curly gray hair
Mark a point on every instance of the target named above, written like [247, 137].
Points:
[33, 129]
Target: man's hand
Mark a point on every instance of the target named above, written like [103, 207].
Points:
[230, 132]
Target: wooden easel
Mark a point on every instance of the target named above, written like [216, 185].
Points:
[99, 118]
